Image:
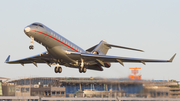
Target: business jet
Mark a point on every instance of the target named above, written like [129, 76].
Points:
[61, 51]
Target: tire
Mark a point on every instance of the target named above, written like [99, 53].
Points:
[30, 47]
[80, 70]
[56, 69]
[59, 69]
[84, 70]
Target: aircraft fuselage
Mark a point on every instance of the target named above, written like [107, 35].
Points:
[56, 44]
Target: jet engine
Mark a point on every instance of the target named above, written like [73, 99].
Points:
[107, 65]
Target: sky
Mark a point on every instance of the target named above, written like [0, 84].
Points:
[150, 25]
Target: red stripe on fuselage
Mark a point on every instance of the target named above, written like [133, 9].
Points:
[55, 39]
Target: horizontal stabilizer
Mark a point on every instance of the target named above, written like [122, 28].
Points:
[172, 58]
[7, 60]
[110, 45]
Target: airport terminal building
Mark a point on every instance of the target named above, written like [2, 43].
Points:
[90, 87]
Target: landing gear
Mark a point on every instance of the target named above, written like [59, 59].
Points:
[31, 47]
[82, 70]
[57, 69]
[32, 42]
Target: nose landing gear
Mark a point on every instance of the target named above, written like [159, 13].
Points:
[31, 47]
[32, 42]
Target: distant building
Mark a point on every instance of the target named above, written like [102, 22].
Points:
[99, 94]
[1, 93]
[155, 91]
[8, 89]
[91, 87]
[1, 89]
[22, 90]
[72, 85]
[48, 91]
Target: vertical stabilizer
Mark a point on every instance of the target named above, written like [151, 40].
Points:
[101, 48]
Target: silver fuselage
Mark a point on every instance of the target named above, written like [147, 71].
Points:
[55, 44]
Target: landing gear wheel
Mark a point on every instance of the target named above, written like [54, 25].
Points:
[32, 43]
[84, 70]
[31, 47]
[59, 69]
[80, 70]
[56, 69]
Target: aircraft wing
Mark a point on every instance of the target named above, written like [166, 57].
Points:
[105, 58]
[40, 58]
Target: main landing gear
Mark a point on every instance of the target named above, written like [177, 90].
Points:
[82, 68]
[32, 42]
[57, 69]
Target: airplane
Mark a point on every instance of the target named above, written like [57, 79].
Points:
[61, 51]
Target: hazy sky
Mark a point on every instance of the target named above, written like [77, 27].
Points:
[153, 26]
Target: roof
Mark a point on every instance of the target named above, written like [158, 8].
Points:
[2, 78]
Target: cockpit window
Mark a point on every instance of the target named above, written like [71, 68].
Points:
[41, 26]
[37, 25]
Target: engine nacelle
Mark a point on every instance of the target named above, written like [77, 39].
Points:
[108, 65]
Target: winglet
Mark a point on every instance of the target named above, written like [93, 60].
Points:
[172, 58]
[7, 60]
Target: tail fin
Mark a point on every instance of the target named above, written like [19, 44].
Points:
[101, 48]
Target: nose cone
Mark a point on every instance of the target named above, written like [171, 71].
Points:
[27, 29]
